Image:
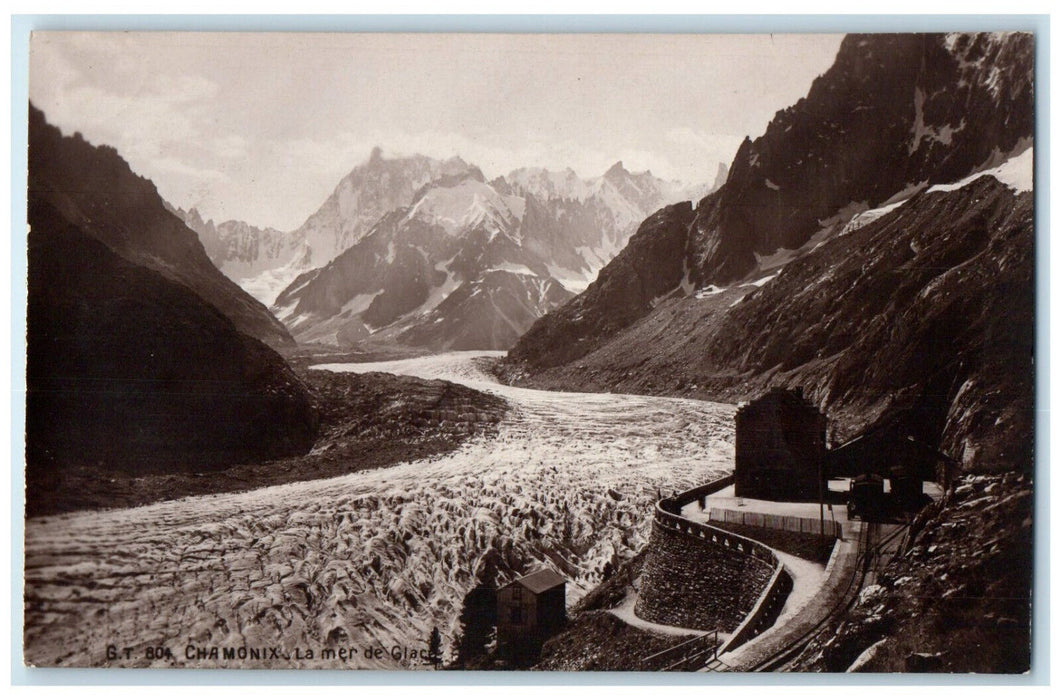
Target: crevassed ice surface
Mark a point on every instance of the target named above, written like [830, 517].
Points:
[371, 558]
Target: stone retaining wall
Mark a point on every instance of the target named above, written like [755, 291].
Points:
[700, 581]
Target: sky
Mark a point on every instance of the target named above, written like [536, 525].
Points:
[261, 127]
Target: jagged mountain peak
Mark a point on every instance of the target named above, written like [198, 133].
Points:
[378, 167]
[617, 170]
[894, 110]
[370, 190]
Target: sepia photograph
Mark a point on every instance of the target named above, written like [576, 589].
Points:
[427, 352]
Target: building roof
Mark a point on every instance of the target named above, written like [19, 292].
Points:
[789, 398]
[873, 436]
[541, 581]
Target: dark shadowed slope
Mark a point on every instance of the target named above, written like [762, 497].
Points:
[93, 188]
[128, 368]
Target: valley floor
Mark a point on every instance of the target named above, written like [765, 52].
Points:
[372, 558]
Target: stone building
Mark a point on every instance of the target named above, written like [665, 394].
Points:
[780, 440]
[529, 611]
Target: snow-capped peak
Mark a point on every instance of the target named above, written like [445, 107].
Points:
[548, 184]
[467, 204]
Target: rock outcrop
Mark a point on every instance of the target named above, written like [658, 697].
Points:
[956, 599]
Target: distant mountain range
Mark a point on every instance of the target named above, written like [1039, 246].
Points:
[264, 261]
[426, 252]
[470, 264]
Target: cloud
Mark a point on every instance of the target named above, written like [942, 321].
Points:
[177, 167]
[229, 147]
[182, 89]
[705, 141]
[271, 122]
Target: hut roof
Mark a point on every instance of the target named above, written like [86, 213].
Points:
[541, 581]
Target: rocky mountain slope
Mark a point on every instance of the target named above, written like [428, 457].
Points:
[128, 367]
[922, 306]
[471, 264]
[893, 114]
[957, 599]
[133, 371]
[260, 260]
[928, 311]
[580, 223]
[94, 189]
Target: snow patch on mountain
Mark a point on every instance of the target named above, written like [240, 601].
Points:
[514, 269]
[358, 304]
[869, 216]
[708, 291]
[922, 131]
[1017, 173]
[761, 281]
[467, 205]
[573, 280]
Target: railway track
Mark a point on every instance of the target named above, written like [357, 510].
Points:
[871, 548]
[685, 656]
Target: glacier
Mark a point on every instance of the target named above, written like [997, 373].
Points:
[371, 558]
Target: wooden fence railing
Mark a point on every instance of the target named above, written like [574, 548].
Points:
[790, 523]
